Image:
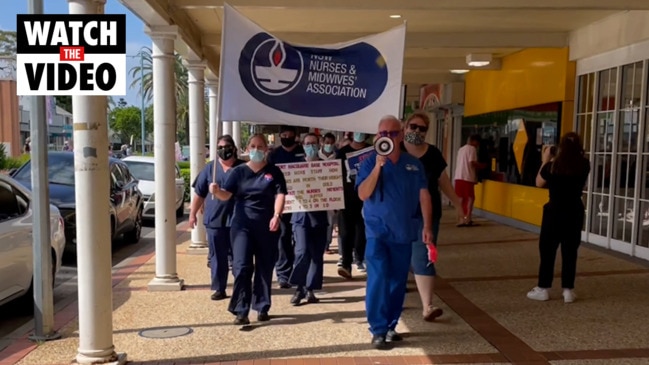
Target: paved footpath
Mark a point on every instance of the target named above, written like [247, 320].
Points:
[485, 273]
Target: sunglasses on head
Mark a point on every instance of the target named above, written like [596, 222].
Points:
[421, 128]
[391, 134]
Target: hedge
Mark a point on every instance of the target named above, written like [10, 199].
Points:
[184, 172]
[183, 165]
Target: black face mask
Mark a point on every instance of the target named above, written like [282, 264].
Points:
[288, 142]
[225, 153]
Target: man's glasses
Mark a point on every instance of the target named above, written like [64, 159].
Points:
[421, 128]
[391, 134]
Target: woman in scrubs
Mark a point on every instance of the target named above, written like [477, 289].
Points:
[217, 214]
[310, 232]
[258, 189]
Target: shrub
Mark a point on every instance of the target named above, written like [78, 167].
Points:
[184, 172]
[15, 162]
[183, 164]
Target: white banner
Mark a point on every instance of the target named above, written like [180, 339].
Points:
[313, 186]
[346, 86]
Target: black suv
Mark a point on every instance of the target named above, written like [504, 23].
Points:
[125, 197]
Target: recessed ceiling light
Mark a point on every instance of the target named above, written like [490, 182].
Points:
[459, 71]
[395, 16]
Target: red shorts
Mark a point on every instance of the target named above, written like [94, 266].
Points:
[464, 189]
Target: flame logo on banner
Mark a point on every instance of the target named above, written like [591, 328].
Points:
[275, 77]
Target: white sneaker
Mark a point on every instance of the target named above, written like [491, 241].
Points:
[538, 294]
[569, 296]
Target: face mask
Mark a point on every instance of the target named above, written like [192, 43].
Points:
[311, 150]
[256, 155]
[225, 153]
[359, 137]
[288, 142]
[414, 138]
[328, 148]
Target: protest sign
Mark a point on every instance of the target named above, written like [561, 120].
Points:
[313, 186]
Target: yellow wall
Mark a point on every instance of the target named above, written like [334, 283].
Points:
[527, 78]
[523, 203]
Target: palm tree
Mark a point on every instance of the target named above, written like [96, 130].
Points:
[146, 80]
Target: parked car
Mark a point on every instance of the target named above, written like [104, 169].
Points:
[16, 245]
[142, 167]
[125, 198]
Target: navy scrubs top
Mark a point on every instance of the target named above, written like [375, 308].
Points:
[254, 194]
[280, 155]
[310, 219]
[218, 213]
[392, 212]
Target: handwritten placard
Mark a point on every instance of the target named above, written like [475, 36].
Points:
[313, 186]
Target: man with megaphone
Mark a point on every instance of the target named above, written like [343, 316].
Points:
[393, 187]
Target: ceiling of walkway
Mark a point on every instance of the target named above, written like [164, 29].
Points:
[441, 33]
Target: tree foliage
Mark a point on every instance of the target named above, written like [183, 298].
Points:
[7, 43]
[125, 122]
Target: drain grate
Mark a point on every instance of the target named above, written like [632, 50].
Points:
[165, 332]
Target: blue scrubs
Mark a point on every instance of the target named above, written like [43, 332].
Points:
[392, 223]
[254, 200]
[286, 256]
[216, 218]
[310, 232]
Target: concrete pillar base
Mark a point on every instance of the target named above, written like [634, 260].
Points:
[166, 284]
[120, 359]
[197, 249]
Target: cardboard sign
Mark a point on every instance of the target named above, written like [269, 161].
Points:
[313, 186]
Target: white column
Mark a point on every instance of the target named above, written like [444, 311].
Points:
[227, 128]
[215, 127]
[164, 136]
[92, 191]
[196, 83]
[236, 133]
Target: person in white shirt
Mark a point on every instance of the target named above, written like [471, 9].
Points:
[466, 177]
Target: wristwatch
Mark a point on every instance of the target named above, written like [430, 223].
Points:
[276, 215]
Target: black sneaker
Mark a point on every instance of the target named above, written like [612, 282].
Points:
[217, 295]
[311, 298]
[393, 336]
[379, 343]
[345, 272]
[285, 285]
[241, 320]
[297, 297]
[263, 317]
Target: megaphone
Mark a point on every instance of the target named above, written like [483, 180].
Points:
[384, 146]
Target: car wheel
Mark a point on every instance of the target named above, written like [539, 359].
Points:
[136, 233]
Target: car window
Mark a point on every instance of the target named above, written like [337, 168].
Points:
[60, 170]
[116, 175]
[141, 170]
[125, 172]
[12, 205]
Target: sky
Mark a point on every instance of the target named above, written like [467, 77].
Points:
[135, 36]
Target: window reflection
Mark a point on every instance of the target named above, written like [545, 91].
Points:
[514, 157]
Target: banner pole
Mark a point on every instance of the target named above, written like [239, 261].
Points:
[219, 103]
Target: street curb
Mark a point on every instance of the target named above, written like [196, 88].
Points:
[22, 347]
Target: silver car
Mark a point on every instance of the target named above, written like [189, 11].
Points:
[16, 247]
